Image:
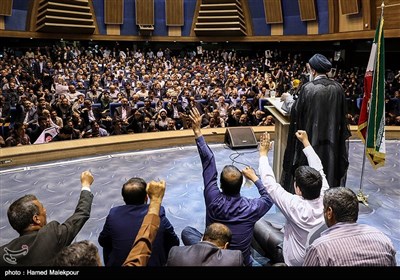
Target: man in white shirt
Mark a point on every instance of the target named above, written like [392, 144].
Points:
[160, 54]
[303, 210]
[72, 94]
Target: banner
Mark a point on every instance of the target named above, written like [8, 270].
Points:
[47, 135]
[371, 124]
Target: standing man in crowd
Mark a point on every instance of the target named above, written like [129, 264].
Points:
[346, 242]
[320, 110]
[39, 242]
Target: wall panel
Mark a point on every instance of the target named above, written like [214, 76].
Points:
[113, 11]
[6, 7]
[352, 22]
[145, 12]
[307, 10]
[350, 7]
[273, 11]
[174, 12]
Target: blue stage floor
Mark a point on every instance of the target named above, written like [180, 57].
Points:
[57, 185]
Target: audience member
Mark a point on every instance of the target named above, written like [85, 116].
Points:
[346, 242]
[85, 253]
[227, 207]
[211, 251]
[162, 120]
[302, 210]
[43, 123]
[18, 136]
[81, 253]
[95, 130]
[123, 224]
[39, 241]
[143, 249]
[124, 112]
[2, 142]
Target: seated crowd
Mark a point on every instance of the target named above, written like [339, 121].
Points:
[95, 92]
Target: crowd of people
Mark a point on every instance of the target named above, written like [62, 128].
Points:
[139, 234]
[101, 91]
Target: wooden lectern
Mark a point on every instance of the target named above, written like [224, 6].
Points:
[282, 122]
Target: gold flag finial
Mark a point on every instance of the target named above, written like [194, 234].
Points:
[362, 198]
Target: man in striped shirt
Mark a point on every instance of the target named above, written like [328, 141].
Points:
[345, 242]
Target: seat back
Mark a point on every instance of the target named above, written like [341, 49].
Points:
[267, 241]
[113, 106]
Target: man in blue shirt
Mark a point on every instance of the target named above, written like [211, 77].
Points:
[227, 207]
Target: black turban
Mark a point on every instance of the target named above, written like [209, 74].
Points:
[320, 63]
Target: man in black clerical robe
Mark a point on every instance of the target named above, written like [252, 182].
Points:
[320, 110]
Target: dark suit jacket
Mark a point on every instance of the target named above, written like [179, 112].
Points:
[118, 112]
[36, 69]
[170, 110]
[85, 116]
[120, 230]
[39, 247]
[204, 254]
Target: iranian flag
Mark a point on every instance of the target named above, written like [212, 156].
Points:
[371, 124]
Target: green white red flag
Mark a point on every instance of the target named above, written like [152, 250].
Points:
[371, 124]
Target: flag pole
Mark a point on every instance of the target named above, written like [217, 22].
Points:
[361, 196]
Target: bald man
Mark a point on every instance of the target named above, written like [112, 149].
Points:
[211, 251]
